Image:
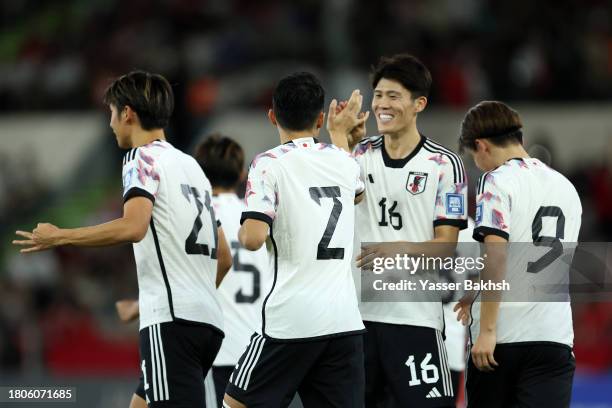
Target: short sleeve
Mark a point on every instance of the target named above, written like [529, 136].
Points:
[451, 195]
[492, 209]
[359, 184]
[140, 175]
[261, 195]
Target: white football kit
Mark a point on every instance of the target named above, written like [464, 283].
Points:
[305, 191]
[243, 289]
[525, 201]
[176, 260]
[405, 200]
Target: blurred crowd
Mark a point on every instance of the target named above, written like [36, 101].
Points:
[56, 307]
[61, 54]
[21, 186]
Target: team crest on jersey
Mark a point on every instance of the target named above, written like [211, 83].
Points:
[416, 182]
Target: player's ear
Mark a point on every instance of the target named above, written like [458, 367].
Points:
[272, 117]
[420, 103]
[482, 145]
[129, 114]
[320, 120]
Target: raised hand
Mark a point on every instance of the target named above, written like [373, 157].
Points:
[345, 122]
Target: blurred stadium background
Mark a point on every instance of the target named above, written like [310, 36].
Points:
[551, 60]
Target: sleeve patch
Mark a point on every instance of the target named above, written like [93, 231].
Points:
[479, 213]
[454, 204]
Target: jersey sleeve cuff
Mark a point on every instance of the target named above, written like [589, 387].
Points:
[256, 215]
[461, 224]
[481, 232]
[138, 192]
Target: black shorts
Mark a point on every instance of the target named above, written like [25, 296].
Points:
[174, 360]
[528, 375]
[406, 366]
[214, 385]
[325, 373]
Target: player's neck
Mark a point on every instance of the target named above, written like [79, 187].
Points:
[143, 137]
[222, 190]
[401, 144]
[287, 136]
[512, 152]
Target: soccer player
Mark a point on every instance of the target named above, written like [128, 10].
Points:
[415, 193]
[243, 289]
[179, 247]
[300, 202]
[521, 352]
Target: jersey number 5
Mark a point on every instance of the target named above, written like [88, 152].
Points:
[247, 268]
[323, 251]
[191, 246]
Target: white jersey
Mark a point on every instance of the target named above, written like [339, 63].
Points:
[522, 201]
[405, 200]
[305, 191]
[455, 331]
[243, 289]
[176, 261]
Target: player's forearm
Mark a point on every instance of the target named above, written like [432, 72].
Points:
[488, 316]
[341, 140]
[115, 232]
[224, 258]
[494, 271]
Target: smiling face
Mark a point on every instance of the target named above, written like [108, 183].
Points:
[394, 108]
[118, 123]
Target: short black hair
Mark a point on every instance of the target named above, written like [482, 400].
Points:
[222, 160]
[149, 95]
[491, 120]
[405, 69]
[298, 100]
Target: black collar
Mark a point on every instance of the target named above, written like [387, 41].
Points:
[400, 163]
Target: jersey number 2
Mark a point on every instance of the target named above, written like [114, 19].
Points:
[191, 245]
[323, 251]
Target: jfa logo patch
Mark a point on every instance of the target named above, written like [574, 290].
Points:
[416, 182]
[454, 204]
[479, 213]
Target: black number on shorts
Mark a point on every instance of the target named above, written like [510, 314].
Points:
[240, 267]
[323, 251]
[393, 215]
[553, 242]
[191, 245]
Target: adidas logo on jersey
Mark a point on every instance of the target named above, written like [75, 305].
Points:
[434, 393]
